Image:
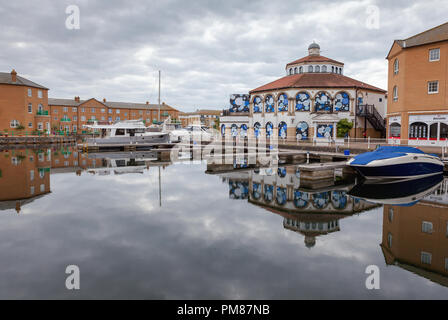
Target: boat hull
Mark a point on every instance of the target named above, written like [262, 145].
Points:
[402, 170]
[155, 138]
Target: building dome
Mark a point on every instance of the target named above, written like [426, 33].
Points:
[314, 49]
[314, 45]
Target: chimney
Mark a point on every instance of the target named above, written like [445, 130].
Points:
[104, 99]
[77, 99]
[13, 75]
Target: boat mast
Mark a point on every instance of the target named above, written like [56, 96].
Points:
[159, 98]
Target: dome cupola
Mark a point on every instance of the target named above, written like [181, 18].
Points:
[314, 49]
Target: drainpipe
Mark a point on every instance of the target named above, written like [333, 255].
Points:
[356, 108]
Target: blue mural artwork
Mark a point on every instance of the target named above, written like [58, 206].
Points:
[342, 102]
[257, 127]
[281, 196]
[324, 131]
[239, 103]
[301, 199]
[320, 200]
[223, 130]
[302, 131]
[269, 129]
[339, 199]
[256, 191]
[268, 193]
[281, 172]
[258, 105]
[234, 130]
[322, 102]
[303, 102]
[283, 103]
[238, 190]
[282, 130]
[269, 104]
[243, 130]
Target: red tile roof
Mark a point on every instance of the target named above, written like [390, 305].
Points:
[314, 59]
[315, 80]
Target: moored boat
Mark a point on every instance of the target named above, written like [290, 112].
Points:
[396, 162]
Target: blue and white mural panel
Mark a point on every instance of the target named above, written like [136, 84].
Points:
[342, 102]
[324, 131]
[239, 103]
[303, 102]
[258, 104]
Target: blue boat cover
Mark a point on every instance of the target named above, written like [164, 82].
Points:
[386, 152]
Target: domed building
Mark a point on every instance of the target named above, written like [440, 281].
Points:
[308, 102]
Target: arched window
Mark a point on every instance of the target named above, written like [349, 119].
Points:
[303, 102]
[321, 200]
[268, 193]
[282, 130]
[301, 199]
[256, 191]
[234, 130]
[310, 68]
[342, 102]
[322, 103]
[300, 69]
[395, 130]
[317, 69]
[302, 131]
[443, 131]
[282, 102]
[243, 130]
[269, 129]
[295, 70]
[290, 71]
[396, 66]
[269, 104]
[339, 199]
[324, 68]
[433, 131]
[223, 130]
[418, 130]
[332, 69]
[258, 104]
[395, 93]
[281, 196]
[257, 127]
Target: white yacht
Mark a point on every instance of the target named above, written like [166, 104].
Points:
[128, 131]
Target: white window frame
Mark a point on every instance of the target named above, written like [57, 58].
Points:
[39, 94]
[429, 87]
[431, 59]
[30, 124]
[30, 108]
[14, 123]
[30, 92]
[395, 93]
[427, 227]
[427, 254]
[396, 66]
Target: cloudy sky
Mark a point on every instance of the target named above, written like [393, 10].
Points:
[206, 49]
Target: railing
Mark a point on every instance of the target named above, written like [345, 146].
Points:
[369, 111]
[66, 119]
[42, 113]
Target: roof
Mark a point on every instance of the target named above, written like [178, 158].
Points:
[204, 112]
[315, 80]
[314, 58]
[110, 104]
[436, 34]
[5, 78]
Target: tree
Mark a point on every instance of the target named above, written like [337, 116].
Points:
[343, 127]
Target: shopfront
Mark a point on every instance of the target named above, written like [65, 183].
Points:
[428, 129]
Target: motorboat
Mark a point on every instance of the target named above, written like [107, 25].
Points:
[404, 192]
[127, 132]
[396, 162]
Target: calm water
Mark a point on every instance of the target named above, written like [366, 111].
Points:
[238, 234]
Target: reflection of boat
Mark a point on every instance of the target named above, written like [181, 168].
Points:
[396, 162]
[129, 131]
[398, 192]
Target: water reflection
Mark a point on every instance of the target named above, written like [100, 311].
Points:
[208, 238]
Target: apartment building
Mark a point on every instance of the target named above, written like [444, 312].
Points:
[205, 117]
[417, 81]
[23, 104]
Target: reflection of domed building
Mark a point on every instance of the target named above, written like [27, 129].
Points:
[311, 214]
[307, 103]
[415, 237]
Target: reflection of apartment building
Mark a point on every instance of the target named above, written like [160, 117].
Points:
[307, 102]
[24, 176]
[417, 83]
[208, 118]
[416, 238]
[24, 105]
[310, 213]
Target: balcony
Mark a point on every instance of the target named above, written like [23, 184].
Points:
[42, 113]
[66, 120]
